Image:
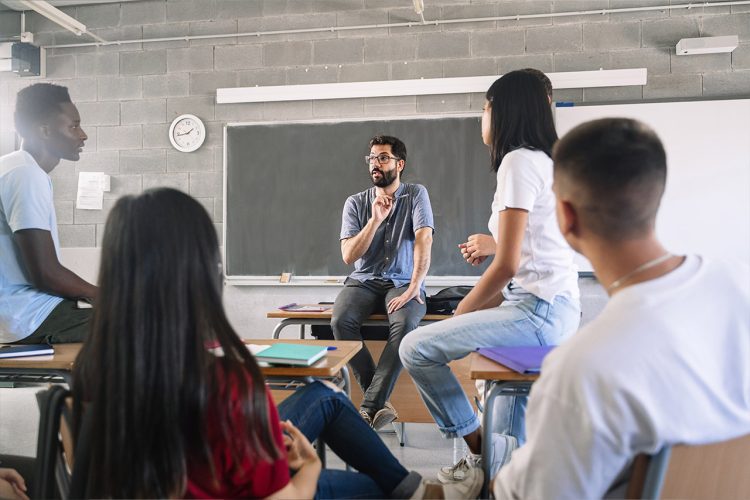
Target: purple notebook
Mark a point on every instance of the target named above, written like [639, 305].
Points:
[521, 359]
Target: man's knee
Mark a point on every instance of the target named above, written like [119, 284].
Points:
[345, 325]
[408, 350]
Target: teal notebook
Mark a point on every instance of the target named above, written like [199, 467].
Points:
[292, 354]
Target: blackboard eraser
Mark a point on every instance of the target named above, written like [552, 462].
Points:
[564, 104]
[285, 278]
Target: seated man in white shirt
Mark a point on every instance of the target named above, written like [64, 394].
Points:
[37, 293]
[667, 361]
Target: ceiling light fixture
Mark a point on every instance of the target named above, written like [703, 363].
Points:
[58, 17]
[707, 45]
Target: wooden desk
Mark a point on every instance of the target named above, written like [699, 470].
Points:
[501, 381]
[405, 397]
[324, 318]
[60, 363]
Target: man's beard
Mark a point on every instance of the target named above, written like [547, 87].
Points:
[386, 178]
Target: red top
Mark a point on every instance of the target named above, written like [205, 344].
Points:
[248, 478]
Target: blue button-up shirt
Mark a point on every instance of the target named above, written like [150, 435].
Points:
[391, 253]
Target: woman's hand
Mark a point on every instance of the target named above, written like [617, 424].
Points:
[298, 448]
[12, 485]
[477, 248]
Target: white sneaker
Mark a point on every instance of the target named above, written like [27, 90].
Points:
[470, 487]
[502, 446]
[460, 470]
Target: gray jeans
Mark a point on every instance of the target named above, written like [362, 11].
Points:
[353, 305]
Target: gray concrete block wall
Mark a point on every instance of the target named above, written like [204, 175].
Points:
[128, 94]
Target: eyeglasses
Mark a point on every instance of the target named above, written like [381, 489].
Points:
[381, 159]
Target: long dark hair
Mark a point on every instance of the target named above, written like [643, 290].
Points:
[145, 371]
[521, 115]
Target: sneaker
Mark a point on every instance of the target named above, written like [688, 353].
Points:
[366, 417]
[459, 471]
[384, 416]
[470, 487]
[502, 447]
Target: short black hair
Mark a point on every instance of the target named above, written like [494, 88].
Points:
[521, 116]
[37, 103]
[542, 78]
[398, 148]
[614, 171]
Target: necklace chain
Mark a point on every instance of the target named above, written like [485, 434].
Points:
[647, 265]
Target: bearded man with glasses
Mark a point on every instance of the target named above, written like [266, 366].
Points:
[386, 232]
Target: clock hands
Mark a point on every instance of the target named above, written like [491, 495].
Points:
[185, 133]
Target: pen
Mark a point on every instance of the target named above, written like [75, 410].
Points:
[288, 305]
[400, 196]
[331, 348]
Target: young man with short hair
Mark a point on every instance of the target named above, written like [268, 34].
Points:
[37, 293]
[668, 359]
[386, 232]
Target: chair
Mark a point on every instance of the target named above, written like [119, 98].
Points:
[54, 445]
[717, 470]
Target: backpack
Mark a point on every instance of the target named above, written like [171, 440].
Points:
[447, 299]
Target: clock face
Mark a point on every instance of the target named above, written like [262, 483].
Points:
[187, 133]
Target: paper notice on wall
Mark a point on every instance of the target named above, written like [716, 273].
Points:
[91, 188]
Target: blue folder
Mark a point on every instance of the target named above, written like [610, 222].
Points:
[524, 359]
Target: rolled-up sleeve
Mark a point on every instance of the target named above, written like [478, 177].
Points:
[422, 210]
[350, 223]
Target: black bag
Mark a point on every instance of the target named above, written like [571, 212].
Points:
[447, 299]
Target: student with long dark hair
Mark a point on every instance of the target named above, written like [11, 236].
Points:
[165, 416]
[529, 293]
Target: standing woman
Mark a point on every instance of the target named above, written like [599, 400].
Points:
[528, 296]
[165, 417]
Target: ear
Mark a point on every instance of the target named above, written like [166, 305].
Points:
[400, 164]
[567, 219]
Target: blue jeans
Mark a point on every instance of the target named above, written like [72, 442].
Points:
[321, 413]
[521, 320]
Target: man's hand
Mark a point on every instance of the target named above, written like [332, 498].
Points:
[298, 448]
[381, 207]
[397, 303]
[12, 485]
[477, 248]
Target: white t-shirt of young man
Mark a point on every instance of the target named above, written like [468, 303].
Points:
[25, 203]
[524, 180]
[666, 362]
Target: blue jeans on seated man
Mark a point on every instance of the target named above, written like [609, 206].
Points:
[321, 413]
[353, 305]
[521, 320]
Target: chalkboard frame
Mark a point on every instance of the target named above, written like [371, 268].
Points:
[330, 280]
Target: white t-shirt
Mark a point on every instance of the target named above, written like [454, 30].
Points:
[524, 180]
[25, 203]
[666, 362]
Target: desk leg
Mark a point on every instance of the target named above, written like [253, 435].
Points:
[301, 331]
[489, 403]
[277, 329]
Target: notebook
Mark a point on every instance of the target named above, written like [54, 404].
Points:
[292, 354]
[20, 351]
[305, 307]
[525, 359]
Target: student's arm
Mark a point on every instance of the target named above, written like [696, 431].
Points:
[45, 271]
[511, 226]
[422, 252]
[355, 247]
[303, 459]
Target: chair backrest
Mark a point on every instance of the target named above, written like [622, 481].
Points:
[54, 444]
[717, 470]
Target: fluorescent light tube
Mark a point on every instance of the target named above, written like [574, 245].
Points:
[427, 86]
[55, 15]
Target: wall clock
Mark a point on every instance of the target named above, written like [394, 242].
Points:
[187, 133]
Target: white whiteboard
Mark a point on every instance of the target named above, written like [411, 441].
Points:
[706, 205]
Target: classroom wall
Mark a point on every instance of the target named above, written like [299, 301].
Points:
[128, 94]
